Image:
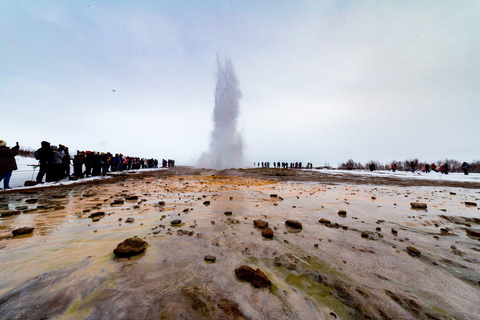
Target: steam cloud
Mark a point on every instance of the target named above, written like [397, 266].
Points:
[226, 144]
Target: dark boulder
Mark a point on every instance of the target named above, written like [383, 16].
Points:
[9, 213]
[413, 251]
[418, 205]
[324, 221]
[473, 233]
[260, 224]
[131, 198]
[175, 222]
[21, 231]
[260, 280]
[210, 258]
[117, 202]
[130, 247]
[228, 213]
[244, 273]
[97, 214]
[267, 233]
[342, 213]
[294, 224]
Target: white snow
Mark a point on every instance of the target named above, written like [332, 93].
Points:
[452, 176]
[27, 171]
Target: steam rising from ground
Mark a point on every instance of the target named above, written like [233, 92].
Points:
[226, 144]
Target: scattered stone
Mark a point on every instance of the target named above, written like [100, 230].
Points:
[130, 247]
[413, 251]
[117, 202]
[207, 203]
[394, 232]
[294, 224]
[21, 208]
[260, 279]
[95, 219]
[212, 222]
[472, 204]
[9, 213]
[273, 195]
[324, 221]
[256, 277]
[131, 198]
[342, 213]
[364, 235]
[267, 233]
[22, 231]
[176, 222]
[161, 203]
[244, 273]
[260, 224]
[97, 214]
[182, 232]
[210, 258]
[373, 198]
[444, 230]
[33, 200]
[418, 205]
[130, 220]
[228, 213]
[473, 233]
[378, 229]
[186, 210]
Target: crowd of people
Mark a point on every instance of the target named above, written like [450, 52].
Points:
[283, 165]
[427, 168]
[55, 163]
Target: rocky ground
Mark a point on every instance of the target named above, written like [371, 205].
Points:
[241, 244]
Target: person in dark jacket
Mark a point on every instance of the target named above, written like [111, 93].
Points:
[7, 163]
[78, 162]
[44, 155]
[66, 162]
[56, 170]
[465, 168]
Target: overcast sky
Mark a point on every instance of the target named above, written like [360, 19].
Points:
[322, 81]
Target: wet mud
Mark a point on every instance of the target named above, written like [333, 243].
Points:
[349, 259]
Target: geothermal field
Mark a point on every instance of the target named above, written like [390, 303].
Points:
[352, 248]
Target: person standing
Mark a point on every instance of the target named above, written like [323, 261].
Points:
[465, 168]
[44, 155]
[7, 163]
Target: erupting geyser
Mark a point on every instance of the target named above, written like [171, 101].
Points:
[226, 144]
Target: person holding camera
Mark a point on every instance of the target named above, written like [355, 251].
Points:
[7, 163]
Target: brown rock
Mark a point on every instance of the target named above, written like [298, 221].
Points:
[131, 198]
[473, 233]
[244, 273]
[228, 213]
[117, 202]
[21, 231]
[473, 204]
[342, 213]
[260, 279]
[324, 221]
[413, 251]
[364, 235]
[267, 233]
[207, 203]
[294, 224]
[260, 224]
[9, 213]
[418, 205]
[130, 247]
[97, 214]
[210, 258]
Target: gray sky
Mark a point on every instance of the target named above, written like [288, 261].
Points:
[322, 81]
